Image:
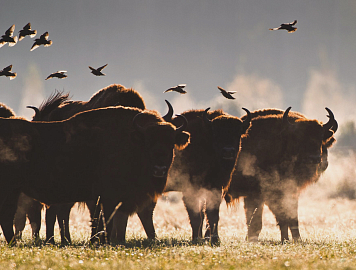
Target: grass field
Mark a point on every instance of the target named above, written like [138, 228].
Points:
[327, 228]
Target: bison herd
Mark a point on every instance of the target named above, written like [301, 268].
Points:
[117, 157]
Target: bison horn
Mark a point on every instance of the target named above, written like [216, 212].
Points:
[184, 125]
[37, 111]
[285, 117]
[136, 125]
[205, 117]
[168, 116]
[331, 124]
[247, 121]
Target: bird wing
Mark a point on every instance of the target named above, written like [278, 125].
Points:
[168, 90]
[293, 23]
[102, 67]
[8, 68]
[61, 71]
[2, 43]
[276, 28]
[221, 89]
[182, 85]
[48, 44]
[34, 46]
[44, 35]
[92, 68]
[292, 30]
[27, 27]
[13, 76]
[49, 76]
[34, 33]
[9, 32]
[14, 42]
[231, 92]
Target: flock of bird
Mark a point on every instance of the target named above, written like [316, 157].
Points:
[9, 38]
[60, 74]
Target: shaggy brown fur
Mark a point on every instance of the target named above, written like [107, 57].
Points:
[277, 161]
[100, 152]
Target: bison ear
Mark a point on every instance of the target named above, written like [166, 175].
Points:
[137, 138]
[182, 140]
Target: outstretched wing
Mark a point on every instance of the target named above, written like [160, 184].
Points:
[92, 68]
[182, 85]
[44, 35]
[27, 27]
[221, 89]
[293, 23]
[102, 67]
[34, 46]
[8, 68]
[9, 32]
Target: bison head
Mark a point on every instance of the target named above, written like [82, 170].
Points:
[226, 133]
[306, 142]
[158, 141]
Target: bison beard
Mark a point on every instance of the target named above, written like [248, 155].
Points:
[280, 155]
[101, 152]
[202, 171]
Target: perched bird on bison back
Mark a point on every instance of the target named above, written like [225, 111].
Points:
[202, 171]
[8, 38]
[283, 153]
[58, 74]
[286, 26]
[27, 31]
[97, 72]
[43, 40]
[128, 149]
[178, 88]
[7, 72]
[227, 94]
[57, 107]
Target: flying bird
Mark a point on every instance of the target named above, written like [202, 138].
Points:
[227, 94]
[58, 74]
[8, 38]
[43, 40]
[286, 26]
[97, 72]
[7, 72]
[27, 31]
[178, 88]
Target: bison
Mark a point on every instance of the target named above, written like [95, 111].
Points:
[120, 154]
[281, 154]
[59, 107]
[202, 171]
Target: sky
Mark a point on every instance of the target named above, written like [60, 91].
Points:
[156, 44]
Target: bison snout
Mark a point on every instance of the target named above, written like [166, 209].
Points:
[229, 153]
[160, 171]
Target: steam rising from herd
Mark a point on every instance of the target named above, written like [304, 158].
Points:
[118, 157]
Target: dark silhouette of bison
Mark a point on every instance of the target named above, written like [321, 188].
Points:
[281, 154]
[59, 107]
[118, 153]
[202, 171]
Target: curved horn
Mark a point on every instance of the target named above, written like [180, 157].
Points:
[285, 117]
[331, 121]
[205, 117]
[136, 125]
[247, 121]
[184, 125]
[37, 111]
[168, 116]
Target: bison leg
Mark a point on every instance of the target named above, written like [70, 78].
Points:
[213, 202]
[146, 217]
[7, 214]
[119, 227]
[34, 216]
[278, 209]
[20, 216]
[50, 221]
[196, 215]
[293, 220]
[63, 212]
[253, 210]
